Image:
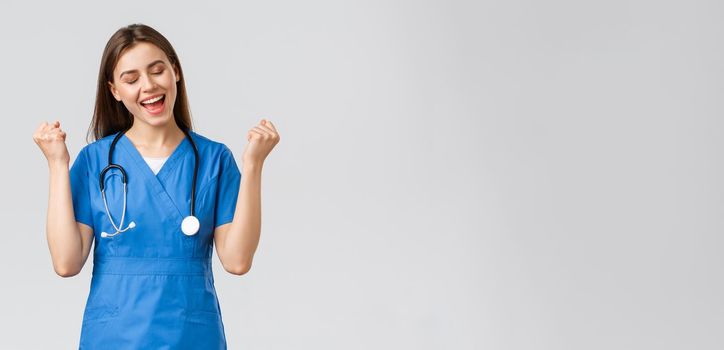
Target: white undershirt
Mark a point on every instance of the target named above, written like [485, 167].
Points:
[155, 163]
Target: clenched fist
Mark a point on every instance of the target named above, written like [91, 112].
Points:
[51, 140]
[261, 140]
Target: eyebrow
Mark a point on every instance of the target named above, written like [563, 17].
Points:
[149, 66]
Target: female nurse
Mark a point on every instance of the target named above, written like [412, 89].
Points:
[152, 285]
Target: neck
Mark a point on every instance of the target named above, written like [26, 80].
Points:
[155, 141]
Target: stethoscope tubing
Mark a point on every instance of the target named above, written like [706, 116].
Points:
[124, 179]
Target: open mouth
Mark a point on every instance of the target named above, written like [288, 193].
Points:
[154, 105]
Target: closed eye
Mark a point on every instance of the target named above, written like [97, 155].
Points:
[155, 73]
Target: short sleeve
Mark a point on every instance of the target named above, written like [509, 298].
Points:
[79, 189]
[227, 187]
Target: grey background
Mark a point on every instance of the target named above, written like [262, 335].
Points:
[451, 175]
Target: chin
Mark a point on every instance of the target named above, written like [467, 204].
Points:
[156, 121]
[161, 121]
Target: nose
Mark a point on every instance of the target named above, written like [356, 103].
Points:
[148, 83]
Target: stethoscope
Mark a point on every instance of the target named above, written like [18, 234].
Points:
[189, 225]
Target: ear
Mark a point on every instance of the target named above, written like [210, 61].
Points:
[178, 76]
[114, 91]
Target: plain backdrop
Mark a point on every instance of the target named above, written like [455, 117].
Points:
[451, 175]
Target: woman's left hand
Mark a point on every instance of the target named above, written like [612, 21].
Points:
[262, 139]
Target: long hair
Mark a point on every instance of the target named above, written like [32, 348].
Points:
[111, 116]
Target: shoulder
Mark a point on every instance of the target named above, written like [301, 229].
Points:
[217, 159]
[210, 148]
[217, 155]
[96, 152]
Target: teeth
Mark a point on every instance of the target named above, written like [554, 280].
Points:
[151, 100]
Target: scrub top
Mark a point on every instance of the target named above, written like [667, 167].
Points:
[152, 286]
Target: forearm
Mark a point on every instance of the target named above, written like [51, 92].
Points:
[242, 237]
[64, 239]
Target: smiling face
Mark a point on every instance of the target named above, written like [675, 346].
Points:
[142, 75]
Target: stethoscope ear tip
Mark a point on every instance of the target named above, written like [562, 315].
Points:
[104, 234]
[132, 224]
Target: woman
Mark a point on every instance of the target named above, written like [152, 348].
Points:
[152, 285]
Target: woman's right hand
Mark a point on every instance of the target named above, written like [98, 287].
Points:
[51, 140]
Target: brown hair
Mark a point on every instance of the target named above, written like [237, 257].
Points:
[111, 116]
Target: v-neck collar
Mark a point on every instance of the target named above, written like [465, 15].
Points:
[177, 154]
[154, 181]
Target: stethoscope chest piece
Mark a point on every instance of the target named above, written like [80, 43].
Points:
[190, 225]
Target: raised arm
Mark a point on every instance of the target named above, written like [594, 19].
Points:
[69, 241]
[236, 242]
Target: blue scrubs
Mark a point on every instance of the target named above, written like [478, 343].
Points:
[152, 286]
